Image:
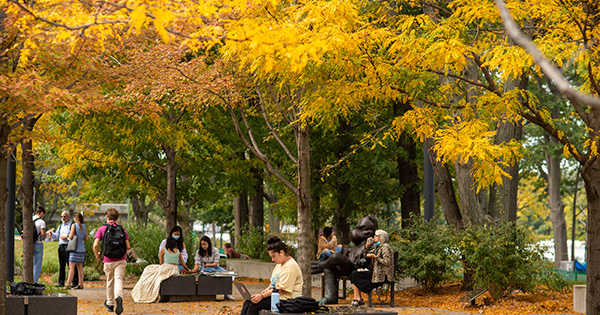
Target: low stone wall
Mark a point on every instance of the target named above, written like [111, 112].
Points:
[258, 269]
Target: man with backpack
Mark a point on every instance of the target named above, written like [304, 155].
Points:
[39, 233]
[115, 244]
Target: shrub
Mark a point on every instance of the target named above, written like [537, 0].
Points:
[135, 269]
[90, 258]
[91, 274]
[145, 240]
[254, 243]
[424, 253]
[505, 257]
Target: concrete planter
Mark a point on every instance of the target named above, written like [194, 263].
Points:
[259, 270]
[250, 268]
[47, 303]
[579, 292]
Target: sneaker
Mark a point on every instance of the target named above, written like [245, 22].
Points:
[119, 308]
[110, 308]
[229, 297]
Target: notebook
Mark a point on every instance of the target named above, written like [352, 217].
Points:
[243, 291]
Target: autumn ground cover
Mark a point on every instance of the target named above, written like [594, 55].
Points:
[448, 297]
[444, 300]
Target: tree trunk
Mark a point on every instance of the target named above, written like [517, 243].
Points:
[272, 200]
[4, 132]
[169, 205]
[305, 241]
[26, 191]
[344, 202]
[341, 226]
[557, 213]
[408, 172]
[140, 208]
[257, 211]
[590, 174]
[445, 189]
[469, 201]
[505, 201]
[240, 212]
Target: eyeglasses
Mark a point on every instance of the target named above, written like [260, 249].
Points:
[63, 216]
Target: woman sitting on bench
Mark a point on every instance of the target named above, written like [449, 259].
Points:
[207, 257]
[147, 289]
[381, 270]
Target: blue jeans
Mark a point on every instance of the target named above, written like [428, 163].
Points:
[214, 269]
[326, 253]
[38, 255]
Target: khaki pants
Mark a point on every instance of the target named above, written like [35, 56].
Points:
[115, 272]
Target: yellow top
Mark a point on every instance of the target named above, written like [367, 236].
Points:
[290, 279]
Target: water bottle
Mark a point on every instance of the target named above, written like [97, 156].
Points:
[274, 301]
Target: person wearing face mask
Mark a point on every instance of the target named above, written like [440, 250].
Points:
[177, 234]
[381, 269]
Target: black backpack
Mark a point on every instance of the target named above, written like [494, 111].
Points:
[300, 304]
[113, 241]
[36, 234]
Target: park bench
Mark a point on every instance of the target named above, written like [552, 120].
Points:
[387, 287]
[197, 287]
[471, 296]
[380, 292]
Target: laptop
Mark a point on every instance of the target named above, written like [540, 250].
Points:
[243, 291]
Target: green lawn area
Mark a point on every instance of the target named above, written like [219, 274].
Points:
[50, 262]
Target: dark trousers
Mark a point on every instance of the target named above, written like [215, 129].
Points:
[63, 266]
[250, 308]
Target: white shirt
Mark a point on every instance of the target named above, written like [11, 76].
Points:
[39, 225]
[63, 230]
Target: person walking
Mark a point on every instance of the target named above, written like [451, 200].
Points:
[77, 257]
[62, 235]
[38, 246]
[115, 245]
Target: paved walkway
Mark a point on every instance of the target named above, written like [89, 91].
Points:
[91, 299]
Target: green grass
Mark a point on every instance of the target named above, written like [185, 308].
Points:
[50, 261]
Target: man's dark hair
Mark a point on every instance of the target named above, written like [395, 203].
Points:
[112, 214]
[40, 209]
[327, 231]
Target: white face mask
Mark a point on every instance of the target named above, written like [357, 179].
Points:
[176, 237]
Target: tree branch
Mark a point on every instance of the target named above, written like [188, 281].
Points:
[487, 87]
[259, 154]
[273, 132]
[547, 67]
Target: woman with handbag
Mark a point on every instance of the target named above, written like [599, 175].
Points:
[76, 250]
